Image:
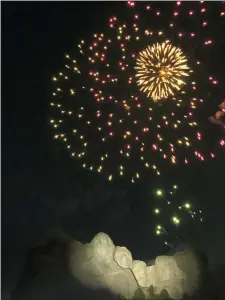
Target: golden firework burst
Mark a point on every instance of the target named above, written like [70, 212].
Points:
[161, 70]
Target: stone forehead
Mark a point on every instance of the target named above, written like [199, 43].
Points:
[102, 239]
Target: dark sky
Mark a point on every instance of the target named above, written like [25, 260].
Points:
[38, 177]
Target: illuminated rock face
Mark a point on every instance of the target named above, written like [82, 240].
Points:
[169, 277]
[94, 266]
[101, 264]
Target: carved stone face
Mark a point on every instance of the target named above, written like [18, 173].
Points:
[123, 257]
[103, 247]
[167, 269]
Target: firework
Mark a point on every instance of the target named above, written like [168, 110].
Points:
[217, 119]
[170, 213]
[107, 103]
[161, 69]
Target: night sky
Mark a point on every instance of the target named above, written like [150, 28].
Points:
[42, 187]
